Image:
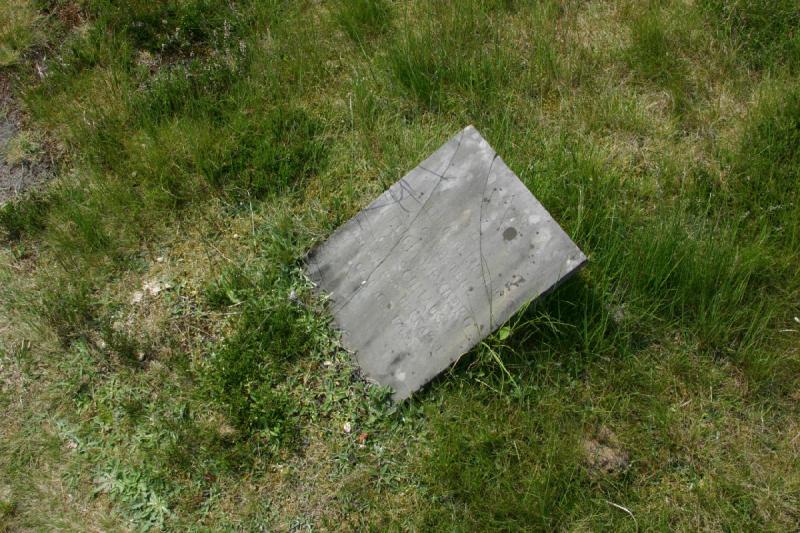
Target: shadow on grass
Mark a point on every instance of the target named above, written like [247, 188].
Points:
[573, 326]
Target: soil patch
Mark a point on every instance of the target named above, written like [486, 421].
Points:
[17, 173]
[604, 455]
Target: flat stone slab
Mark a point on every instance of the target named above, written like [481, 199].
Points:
[437, 262]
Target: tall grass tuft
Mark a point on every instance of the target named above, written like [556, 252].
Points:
[24, 216]
[21, 29]
[655, 56]
[454, 51]
[274, 153]
[767, 167]
[362, 19]
[764, 32]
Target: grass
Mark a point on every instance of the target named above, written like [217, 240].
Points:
[654, 56]
[452, 58]
[363, 19]
[766, 166]
[20, 30]
[764, 33]
[165, 365]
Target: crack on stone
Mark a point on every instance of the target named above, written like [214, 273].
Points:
[404, 188]
[503, 218]
[426, 169]
[487, 288]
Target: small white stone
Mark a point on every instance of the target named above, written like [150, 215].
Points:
[347, 427]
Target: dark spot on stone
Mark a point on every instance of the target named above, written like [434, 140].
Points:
[397, 359]
[510, 233]
[324, 270]
[471, 289]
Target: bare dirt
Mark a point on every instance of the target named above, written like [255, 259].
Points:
[16, 176]
[604, 454]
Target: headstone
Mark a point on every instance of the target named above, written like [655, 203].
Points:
[437, 262]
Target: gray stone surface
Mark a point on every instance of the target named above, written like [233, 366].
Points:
[440, 260]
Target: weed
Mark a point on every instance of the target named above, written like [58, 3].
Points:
[247, 371]
[131, 490]
[231, 287]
